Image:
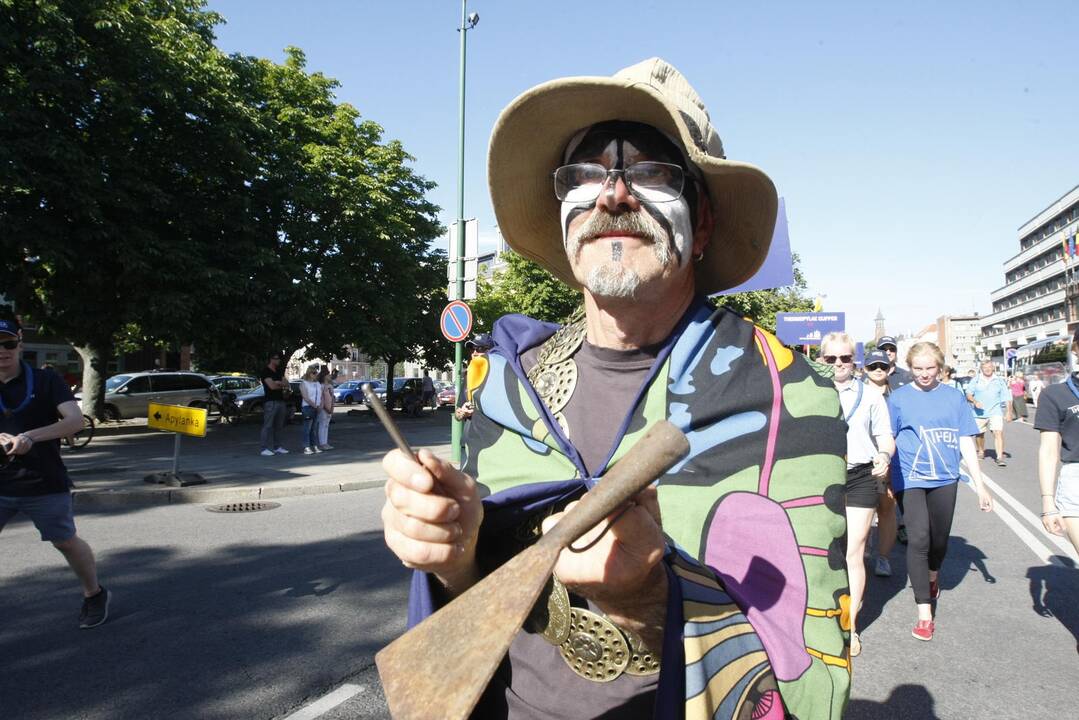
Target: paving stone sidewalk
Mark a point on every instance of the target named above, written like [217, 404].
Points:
[111, 470]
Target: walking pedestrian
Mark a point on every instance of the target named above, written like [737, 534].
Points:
[870, 447]
[428, 393]
[889, 530]
[325, 409]
[1057, 419]
[933, 428]
[33, 479]
[897, 376]
[1035, 385]
[1018, 388]
[311, 394]
[947, 377]
[990, 399]
[647, 216]
[274, 406]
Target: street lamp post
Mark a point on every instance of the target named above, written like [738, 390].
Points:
[467, 23]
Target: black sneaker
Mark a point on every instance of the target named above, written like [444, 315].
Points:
[95, 609]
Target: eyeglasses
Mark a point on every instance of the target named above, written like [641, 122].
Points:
[651, 181]
[830, 359]
[9, 344]
[876, 366]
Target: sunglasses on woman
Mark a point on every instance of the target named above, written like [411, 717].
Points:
[876, 366]
[830, 359]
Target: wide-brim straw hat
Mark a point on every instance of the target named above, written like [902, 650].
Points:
[532, 133]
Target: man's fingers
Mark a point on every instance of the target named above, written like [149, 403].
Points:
[449, 478]
[421, 505]
[406, 471]
[417, 529]
[419, 554]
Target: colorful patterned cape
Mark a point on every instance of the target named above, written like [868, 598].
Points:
[754, 514]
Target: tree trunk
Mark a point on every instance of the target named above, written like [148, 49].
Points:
[95, 358]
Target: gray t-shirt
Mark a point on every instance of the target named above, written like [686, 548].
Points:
[534, 681]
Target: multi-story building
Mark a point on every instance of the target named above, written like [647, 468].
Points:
[960, 339]
[1034, 301]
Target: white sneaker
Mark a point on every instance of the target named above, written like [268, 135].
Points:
[325, 447]
[281, 451]
[884, 568]
[317, 449]
[267, 453]
[308, 451]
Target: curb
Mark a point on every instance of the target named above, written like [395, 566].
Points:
[97, 499]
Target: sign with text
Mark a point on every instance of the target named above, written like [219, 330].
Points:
[177, 419]
[807, 328]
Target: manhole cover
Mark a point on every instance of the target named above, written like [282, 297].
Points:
[242, 507]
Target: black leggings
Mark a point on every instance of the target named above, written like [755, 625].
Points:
[928, 514]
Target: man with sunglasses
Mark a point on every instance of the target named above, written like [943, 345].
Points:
[897, 376]
[620, 186]
[33, 479]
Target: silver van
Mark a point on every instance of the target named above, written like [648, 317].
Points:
[129, 394]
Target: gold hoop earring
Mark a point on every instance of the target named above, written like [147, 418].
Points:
[698, 257]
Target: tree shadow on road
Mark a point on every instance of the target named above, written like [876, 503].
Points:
[1053, 590]
[238, 631]
[905, 703]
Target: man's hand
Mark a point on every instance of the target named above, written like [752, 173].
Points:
[15, 444]
[622, 572]
[431, 518]
[881, 463]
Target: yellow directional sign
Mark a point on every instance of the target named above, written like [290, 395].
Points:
[177, 419]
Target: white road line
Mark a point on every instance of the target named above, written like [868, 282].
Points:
[1031, 518]
[326, 703]
[1039, 548]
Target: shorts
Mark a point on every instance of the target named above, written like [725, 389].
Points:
[863, 489]
[52, 514]
[1067, 497]
[995, 423]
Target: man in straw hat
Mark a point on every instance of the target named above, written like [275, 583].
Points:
[721, 591]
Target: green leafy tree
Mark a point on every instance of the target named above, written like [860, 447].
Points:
[121, 170]
[761, 306]
[522, 286]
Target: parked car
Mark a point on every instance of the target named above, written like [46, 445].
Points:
[237, 384]
[253, 400]
[447, 395]
[378, 386]
[348, 392]
[129, 394]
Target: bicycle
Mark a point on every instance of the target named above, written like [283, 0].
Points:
[83, 437]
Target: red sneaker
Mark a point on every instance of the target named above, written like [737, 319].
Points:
[934, 589]
[923, 630]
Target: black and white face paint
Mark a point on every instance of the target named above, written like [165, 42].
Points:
[667, 224]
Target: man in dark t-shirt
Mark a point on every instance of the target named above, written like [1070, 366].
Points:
[33, 479]
[273, 409]
[1058, 420]
[897, 376]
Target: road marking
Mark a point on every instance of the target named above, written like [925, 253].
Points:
[326, 703]
[1035, 543]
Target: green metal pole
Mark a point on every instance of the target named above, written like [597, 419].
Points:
[455, 435]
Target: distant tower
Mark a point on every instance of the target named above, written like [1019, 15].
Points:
[878, 331]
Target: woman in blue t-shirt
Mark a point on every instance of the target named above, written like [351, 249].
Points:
[933, 430]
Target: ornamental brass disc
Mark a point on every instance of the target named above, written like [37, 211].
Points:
[642, 661]
[563, 344]
[551, 615]
[595, 649]
[555, 383]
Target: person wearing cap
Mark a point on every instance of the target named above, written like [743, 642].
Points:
[897, 376]
[876, 365]
[620, 186]
[870, 447]
[476, 373]
[33, 479]
[989, 397]
[1057, 420]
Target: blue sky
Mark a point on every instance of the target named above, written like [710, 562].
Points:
[910, 140]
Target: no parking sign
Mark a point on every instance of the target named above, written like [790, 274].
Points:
[456, 321]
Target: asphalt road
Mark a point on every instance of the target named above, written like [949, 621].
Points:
[259, 615]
